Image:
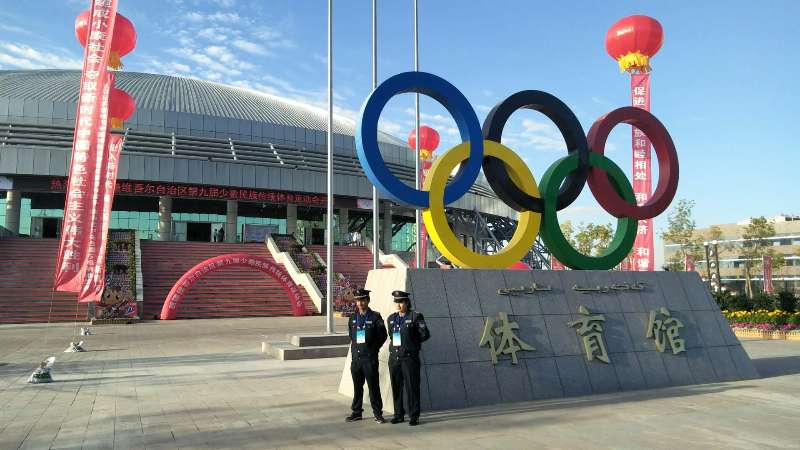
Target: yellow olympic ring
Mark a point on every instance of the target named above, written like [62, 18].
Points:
[436, 220]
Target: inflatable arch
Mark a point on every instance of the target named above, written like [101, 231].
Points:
[196, 273]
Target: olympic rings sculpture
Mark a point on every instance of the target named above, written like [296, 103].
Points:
[511, 179]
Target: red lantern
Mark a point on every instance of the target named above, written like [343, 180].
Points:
[120, 107]
[633, 40]
[122, 42]
[429, 140]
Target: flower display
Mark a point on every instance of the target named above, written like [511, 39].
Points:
[764, 320]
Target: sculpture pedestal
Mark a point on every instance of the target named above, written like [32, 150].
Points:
[457, 372]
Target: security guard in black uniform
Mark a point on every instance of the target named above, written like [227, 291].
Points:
[367, 336]
[407, 330]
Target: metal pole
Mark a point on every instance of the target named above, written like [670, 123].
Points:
[716, 262]
[375, 200]
[329, 218]
[417, 219]
[708, 266]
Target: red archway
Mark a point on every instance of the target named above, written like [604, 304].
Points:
[196, 273]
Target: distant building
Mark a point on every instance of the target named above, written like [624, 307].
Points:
[786, 242]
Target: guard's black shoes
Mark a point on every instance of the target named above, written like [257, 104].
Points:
[379, 419]
[398, 420]
[352, 417]
[413, 422]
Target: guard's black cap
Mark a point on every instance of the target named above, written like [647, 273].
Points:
[361, 294]
[400, 296]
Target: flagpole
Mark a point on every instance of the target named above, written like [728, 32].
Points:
[329, 217]
[375, 199]
[417, 221]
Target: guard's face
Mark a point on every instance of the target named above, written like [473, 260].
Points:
[362, 304]
[401, 307]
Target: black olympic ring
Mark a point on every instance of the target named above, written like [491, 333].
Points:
[557, 111]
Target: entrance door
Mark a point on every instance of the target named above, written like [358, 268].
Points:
[198, 231]
[50, 228]
[317, 236]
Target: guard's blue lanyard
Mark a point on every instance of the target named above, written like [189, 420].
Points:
[360, 326]
[402, 321]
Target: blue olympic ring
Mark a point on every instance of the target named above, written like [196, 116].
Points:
[367, 136]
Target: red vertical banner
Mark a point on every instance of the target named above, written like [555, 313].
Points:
[643, 257]
[423, 232]
[93, 275]
[89, 142]
[688, 263]
[767, 266]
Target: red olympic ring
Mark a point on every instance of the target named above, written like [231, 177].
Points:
[599, 182]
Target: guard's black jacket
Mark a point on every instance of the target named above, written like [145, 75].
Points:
[375, 335]
[412, 334]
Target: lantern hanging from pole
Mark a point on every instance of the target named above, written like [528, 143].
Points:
[122, 42]
[120, 107]
[429, 140]
[632, 41]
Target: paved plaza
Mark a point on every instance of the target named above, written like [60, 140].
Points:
[205, 384]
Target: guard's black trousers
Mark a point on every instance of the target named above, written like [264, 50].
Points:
[404, 373]
[361, 370]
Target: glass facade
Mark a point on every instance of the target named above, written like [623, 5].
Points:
[144, 222]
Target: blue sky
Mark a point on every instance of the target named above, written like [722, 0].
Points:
[723, 83]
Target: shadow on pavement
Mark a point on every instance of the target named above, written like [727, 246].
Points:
[580, 402]
[778, 366]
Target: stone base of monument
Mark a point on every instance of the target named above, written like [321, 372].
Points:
[692, 342]
[308, 346]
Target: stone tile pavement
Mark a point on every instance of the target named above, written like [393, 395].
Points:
[204, 384]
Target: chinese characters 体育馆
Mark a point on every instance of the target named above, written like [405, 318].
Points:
[590, 328]
[509, 343]
[663, 329]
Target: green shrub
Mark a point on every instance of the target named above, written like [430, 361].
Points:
[724, 300]
[741, 303]
[763, 301]
[786, 301]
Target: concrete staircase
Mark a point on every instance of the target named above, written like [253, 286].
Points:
[27, 267]
[354, 262]
[227, 292]
[307, 346]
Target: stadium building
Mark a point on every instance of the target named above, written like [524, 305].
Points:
[200, 156]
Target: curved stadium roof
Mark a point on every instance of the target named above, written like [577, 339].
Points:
[185, 95]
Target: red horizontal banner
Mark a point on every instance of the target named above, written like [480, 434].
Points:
[202, 191]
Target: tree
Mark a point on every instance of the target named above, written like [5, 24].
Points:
[680, 231]
[755, 246]
[589, 239]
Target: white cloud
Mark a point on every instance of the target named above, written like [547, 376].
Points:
[194, 16]
[224, 17]
[168, 68]
[541, 135]
[215, 34]
[25, 57]
[205, 60]
[249, 47]
[13, 29]
[225, 3]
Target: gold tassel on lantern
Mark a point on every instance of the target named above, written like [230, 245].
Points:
[634, 61]
[116, 123]
[114, 61]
